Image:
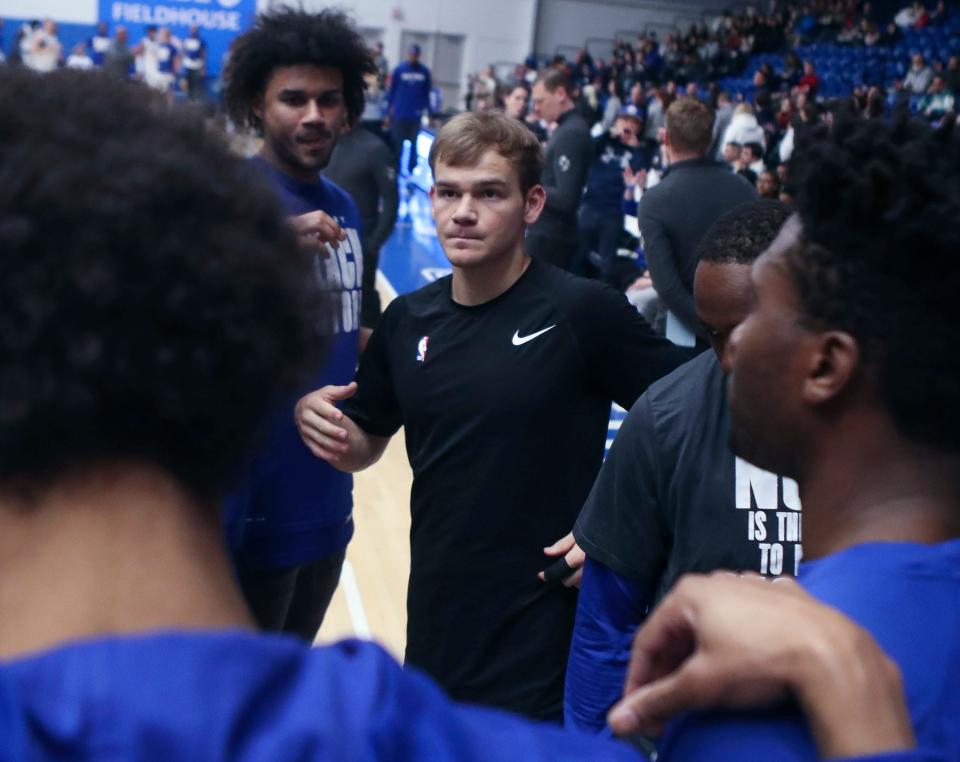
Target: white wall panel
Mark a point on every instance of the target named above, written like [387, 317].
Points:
[64, 11]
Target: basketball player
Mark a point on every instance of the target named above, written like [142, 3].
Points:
[297, 78]
[502, 375]
[671, 498]
[845, 376]
[122, 632]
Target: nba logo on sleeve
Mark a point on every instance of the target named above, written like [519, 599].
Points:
[422, 348]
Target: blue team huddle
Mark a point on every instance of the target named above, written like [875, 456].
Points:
[766, 564]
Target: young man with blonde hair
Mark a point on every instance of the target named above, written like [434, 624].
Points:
[502, 375]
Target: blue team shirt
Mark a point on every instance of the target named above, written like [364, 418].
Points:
[166, 53]
[97, 47]
[241, 696]
[409, 94]
[244, 697]
[907, 596]
[293, 508]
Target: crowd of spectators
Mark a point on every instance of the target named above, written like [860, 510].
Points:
[161, 60]
[765, 73]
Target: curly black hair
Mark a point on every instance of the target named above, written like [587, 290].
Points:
[879, 206]
[288, 37]
[742, 234]
[154, 303]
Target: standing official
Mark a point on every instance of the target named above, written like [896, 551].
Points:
[568, 157]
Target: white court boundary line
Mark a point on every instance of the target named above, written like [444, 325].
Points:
[348, 577]
[387, 292]
[351, 591]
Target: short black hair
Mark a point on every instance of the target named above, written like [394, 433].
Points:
[288, 37]
[154, 304]
[743, 233]
[879, 205]
[755, 148]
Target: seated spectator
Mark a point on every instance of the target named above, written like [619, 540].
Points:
[891, 35]
[810, 81]
[919, 77]
[751, 157]
[940, 13]
[723, 114]
[913, 16]
[612, 105]
[792, 69]
[78, 58]
[937, 102]
[951, 75]
[514, 101]
[744, 127]
[768, 185]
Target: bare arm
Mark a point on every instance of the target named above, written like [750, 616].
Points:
[331, 435]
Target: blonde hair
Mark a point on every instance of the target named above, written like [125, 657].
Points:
[466, 137]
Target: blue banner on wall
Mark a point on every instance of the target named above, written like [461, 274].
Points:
[219, 21]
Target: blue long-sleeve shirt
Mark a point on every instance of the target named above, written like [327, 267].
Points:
[610, 608]
[409, 94]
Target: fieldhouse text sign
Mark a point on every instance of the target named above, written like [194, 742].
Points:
[219, 21]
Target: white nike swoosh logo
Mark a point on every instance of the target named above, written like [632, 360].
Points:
[518, 339]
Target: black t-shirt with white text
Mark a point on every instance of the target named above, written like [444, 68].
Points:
[671, 497]
[505, 407]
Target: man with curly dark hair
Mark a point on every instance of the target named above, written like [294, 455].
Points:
[297, 79]
[845, 376]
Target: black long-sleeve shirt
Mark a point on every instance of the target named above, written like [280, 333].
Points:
[365, 168]
[568, 158]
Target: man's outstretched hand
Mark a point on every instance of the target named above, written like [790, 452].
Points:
[320, 422]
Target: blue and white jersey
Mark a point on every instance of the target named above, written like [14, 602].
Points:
[97, 47]
[297, 507]
[193, 49]
[166, 55]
